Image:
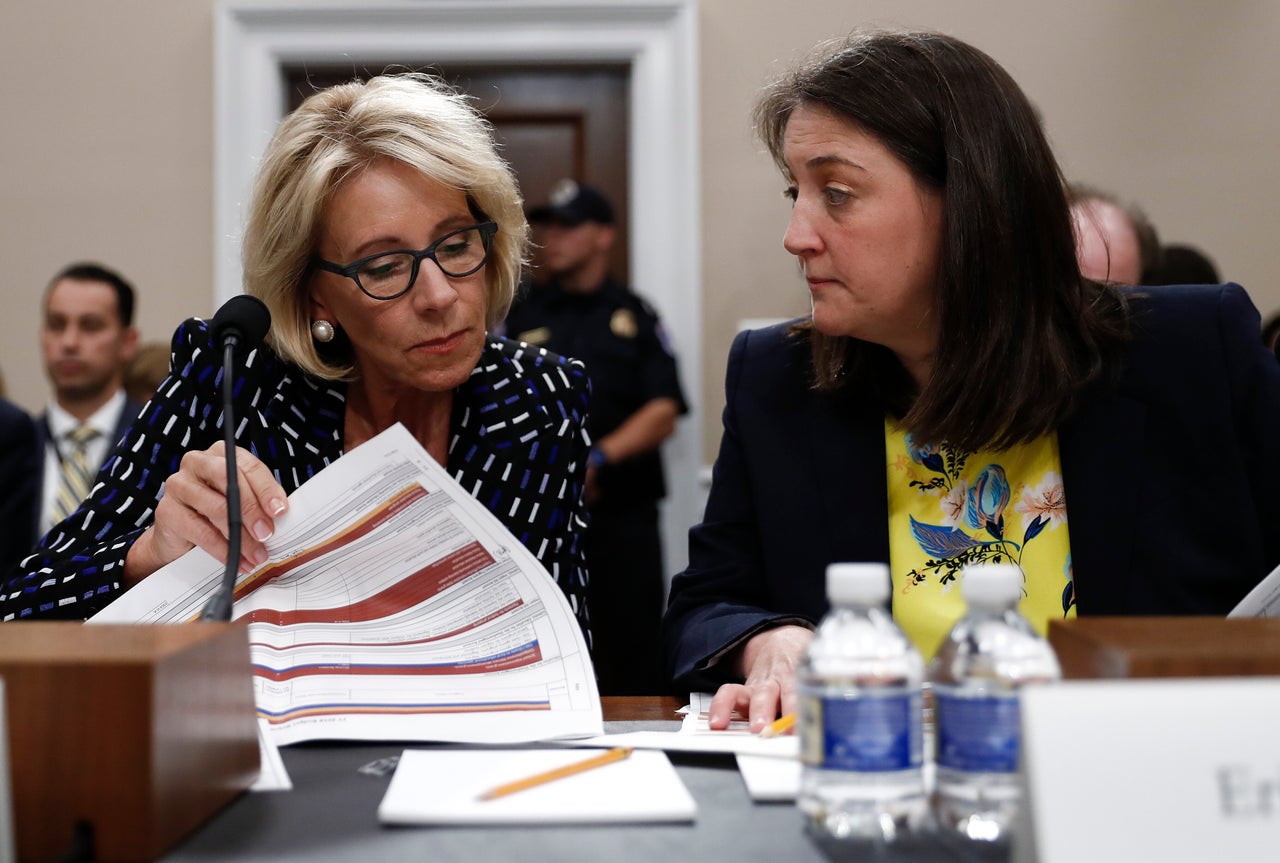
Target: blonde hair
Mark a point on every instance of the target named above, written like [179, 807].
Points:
[415, 119]
[146, 371]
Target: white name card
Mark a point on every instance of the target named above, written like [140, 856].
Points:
[1168, 770]
[7, 842]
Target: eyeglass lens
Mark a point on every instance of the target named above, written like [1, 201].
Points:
[457, 254]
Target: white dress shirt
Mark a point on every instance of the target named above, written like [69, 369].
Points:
[61, 424]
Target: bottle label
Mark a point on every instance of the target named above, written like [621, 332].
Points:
[978, 734]
[872, 733]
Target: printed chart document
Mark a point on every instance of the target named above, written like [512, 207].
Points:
[272, 776]
[394, 606]
[1263, 600]
[644, 787]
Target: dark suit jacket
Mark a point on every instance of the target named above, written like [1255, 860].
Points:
[1171, 480]
[20, 460]
[517, 443]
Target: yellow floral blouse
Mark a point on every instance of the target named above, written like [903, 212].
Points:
[948, 509]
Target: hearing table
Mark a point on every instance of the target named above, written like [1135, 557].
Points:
[331, 815]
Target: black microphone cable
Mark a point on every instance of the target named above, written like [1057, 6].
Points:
[242, 322]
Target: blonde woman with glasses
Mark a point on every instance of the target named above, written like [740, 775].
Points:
[386, 237]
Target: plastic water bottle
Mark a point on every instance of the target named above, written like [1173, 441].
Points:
[859, 719]
[976, 675]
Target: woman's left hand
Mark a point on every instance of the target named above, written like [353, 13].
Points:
[769, 660]
[193, 513]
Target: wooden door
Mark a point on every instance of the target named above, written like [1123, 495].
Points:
[551, 122]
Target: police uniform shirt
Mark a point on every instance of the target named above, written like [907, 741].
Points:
[620, 339]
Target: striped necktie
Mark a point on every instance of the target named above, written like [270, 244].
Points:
[77, 476]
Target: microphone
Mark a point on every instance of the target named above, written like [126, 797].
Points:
[244, 319]
[241, 323]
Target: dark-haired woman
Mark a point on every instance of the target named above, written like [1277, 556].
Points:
[960, 393]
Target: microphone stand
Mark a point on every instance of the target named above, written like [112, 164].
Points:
[219, 605]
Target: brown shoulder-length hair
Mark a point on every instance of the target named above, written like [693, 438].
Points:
[1022, 334]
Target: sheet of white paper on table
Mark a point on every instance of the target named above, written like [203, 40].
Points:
[699, 703]
[1263, 600]
[272, 776]
[443, 786]
[696, 722]
[770, 769]
[778, 779]
[770, 779]
[728, 742]
[695, 735]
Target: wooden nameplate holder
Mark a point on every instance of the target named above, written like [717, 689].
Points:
[142, 732]
[1166, 646]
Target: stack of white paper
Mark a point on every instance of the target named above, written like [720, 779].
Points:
[443, 786]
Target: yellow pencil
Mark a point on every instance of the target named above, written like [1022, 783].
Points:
[616, 754]
[781, 725]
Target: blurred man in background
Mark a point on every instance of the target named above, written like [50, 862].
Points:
[87, 338]
[1115, 242]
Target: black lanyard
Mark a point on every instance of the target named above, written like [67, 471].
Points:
[53, 441]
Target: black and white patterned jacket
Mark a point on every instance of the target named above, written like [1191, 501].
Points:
[517, 443]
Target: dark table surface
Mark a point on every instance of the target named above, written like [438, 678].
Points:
[331, 815]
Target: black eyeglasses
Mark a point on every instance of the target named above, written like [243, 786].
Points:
[388, 275]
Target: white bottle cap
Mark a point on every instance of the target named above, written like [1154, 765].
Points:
[857, 583]
[991, 584]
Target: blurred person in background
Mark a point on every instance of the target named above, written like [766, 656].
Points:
[150, 366]
[576, 309]
[1180, 264]
[88, 340]
[1115, 241]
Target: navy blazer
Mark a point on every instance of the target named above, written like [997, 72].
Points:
[20, 458]
[517, 443]
[1171, 479]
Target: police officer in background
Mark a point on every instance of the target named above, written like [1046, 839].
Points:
[575, 309]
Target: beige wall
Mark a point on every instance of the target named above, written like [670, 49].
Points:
[107, 155]
[1170, 103]
[108, 144]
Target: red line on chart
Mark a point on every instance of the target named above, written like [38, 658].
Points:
[507, 609]
[411, 590]
[530, 655]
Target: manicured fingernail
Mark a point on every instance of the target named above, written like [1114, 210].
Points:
[277, 506]
[262, 530]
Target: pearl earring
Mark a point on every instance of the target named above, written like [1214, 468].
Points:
[322, 331]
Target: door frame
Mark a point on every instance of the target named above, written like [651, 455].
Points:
[656, 38]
